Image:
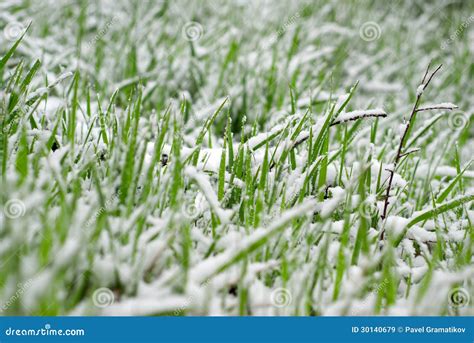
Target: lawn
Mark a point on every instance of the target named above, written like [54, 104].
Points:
[264, 158]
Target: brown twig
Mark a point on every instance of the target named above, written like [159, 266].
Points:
[412, 151]
[400, 154]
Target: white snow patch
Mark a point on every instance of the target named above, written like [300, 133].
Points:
[206, 187]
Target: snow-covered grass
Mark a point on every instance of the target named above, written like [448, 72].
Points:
[234, 158]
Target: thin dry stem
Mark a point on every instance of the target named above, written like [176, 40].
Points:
[400, 154]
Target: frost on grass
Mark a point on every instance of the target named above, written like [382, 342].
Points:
[440, 106]
[420, 90]
[146, 174]
[354, 115]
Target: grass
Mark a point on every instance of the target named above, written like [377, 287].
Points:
[175, 159]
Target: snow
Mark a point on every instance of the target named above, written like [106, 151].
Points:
[210, 159]
[44, 90]
[330, 205]
[420, 90]
[440, 106]
[104, 269]
[68, 251]
[421, 235]
[146, 306]
[211, 196]
[307, 56]
[354, 115]
[395, 225]
[397, 181]
[208, 267]
[137, 247]
[375, 86]
[260, 138]
[424, 170]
